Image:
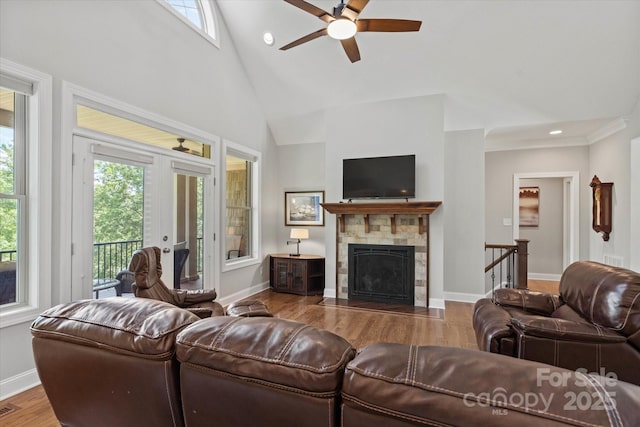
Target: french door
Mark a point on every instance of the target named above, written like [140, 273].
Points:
[126, 198]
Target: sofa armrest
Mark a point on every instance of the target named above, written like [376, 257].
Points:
[491, 325]
[529, 301]
[195, 296]
[564, 330]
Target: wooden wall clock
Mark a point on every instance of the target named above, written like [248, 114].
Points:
[602, 206]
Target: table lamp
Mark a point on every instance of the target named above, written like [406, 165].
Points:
[297, 234]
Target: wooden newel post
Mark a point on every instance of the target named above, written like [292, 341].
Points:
[523, 253]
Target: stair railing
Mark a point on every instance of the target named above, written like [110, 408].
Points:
[507, 264]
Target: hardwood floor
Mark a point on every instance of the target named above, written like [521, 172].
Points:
[451, 327]
[547, 286]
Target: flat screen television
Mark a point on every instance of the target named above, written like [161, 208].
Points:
[391, 177]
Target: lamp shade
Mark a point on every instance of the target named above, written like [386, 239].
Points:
[299, 233]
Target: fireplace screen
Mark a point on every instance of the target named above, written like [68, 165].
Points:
[382, 273]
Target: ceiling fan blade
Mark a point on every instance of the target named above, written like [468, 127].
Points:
[314, 10]
[351, 48]
[388, 25]
[354, 8]
[307, 38]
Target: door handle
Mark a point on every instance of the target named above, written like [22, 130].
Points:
[166, 250]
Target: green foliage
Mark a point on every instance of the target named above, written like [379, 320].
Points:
[118, 202]
[8, 207]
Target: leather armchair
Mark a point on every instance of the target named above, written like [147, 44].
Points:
[593, 325]
[111, 362]
[145, 264]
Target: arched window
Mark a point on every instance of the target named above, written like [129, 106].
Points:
[197, 14]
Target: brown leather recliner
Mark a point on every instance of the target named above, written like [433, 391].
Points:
[111, 362]
[593, 325]
[145, 264]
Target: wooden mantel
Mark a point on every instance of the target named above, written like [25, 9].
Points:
[422, 209]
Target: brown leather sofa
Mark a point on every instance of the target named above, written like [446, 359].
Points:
[593, 325]
[139, 362]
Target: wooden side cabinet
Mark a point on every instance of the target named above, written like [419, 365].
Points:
[302, 275]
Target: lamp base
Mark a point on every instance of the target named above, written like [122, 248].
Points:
[294, 254]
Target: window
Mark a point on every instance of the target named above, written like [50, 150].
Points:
[25, 193]
[241, 189]
[198, 14]
[12, 194]
[190, 9]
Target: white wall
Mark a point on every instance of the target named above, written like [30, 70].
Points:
[394, 127]
[301, 168]
[464, 214]
[610, 160]
[138, 53]
[502, 165]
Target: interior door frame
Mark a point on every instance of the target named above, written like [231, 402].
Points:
[571, 210]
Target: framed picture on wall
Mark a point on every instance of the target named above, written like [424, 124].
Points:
[303, 208]
[529, 198]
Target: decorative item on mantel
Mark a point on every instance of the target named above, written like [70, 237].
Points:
[297, 234]
[422, 209]
[602, 206]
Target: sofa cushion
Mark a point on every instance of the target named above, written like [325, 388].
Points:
[398, 385]
[141, 326]
[274, 350]
[603, 295]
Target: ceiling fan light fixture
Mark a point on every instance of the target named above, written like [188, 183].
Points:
[342, 29]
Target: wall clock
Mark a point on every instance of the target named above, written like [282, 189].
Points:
[602, 206]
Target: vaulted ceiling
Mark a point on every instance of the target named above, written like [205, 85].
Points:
[509, 67]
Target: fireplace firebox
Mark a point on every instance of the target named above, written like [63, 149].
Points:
[381, 273]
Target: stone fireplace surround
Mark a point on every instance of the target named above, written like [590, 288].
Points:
[398, 223]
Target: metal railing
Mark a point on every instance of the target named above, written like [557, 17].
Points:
[110, 258]
[508, 265]
[9, 255]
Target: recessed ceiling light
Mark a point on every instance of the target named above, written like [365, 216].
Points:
[555, 132]
[268, 38]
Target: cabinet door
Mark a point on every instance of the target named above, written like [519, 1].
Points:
[299, 276]
[281, 273]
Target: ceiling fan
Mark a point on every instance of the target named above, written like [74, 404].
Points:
[344, 25]
[180, 147]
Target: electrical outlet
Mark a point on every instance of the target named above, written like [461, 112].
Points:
[506, 222]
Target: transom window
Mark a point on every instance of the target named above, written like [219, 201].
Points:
[190, 9]
[198, 14]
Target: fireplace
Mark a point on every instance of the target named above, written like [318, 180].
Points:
[381, 273]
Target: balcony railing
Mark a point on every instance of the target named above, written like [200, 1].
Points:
[9, 255]
[109, 258]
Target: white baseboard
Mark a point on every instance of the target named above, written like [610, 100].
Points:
[243, 293]
[436, 303]
[18, 383]
[329, 293]
[463, 297]
[544, 276]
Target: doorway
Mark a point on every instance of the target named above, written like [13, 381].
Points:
[570, 210]
[128, 197]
